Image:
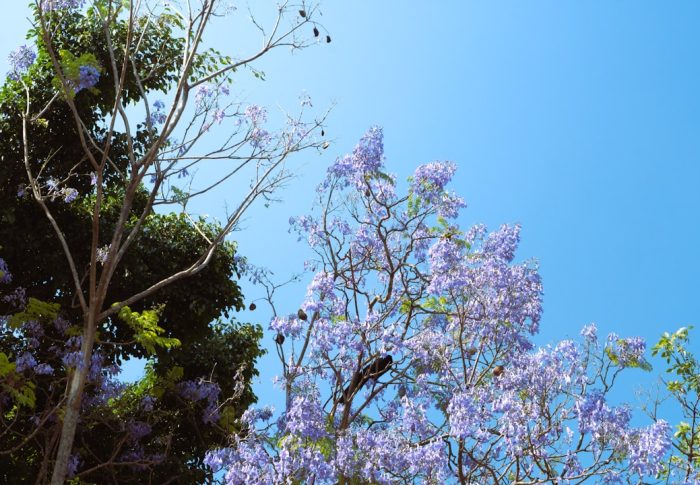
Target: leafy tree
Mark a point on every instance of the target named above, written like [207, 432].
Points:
[90, 150]
[410, 359]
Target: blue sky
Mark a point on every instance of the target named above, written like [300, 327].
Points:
[579, 120]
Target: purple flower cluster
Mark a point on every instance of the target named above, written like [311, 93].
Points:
[137, 430]
[158, 114]
[49, 5]
[411, 360]
[428, 184]
[626, 352]
[605, 424]
[648, 448]
[5, 275]
[255, 115]
[200, 390]
[366, 160]
[305, 418]
[202, 95]
[20, 60]
[88, 76]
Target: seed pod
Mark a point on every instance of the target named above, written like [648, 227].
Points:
[402, 391]
[279, 339]
[328, 39]
[302, 13]
[326, 145]
[316, 32]
[323, 132]
[302, 314]
[498, 370]
[252, 307]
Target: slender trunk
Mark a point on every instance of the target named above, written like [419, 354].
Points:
[76, 385]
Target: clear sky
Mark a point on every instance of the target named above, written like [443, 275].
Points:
[579, 120]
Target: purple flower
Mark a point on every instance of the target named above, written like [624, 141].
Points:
[25, 361]
[590, 333]
[367, 159]
[73, 464]
[43, 370]
[200, 390]
[204, 93]
[428, 184]
[147, 403]
[260, 138]
[157, 116]
[503, 242]
[73, 359]
[255, 114]
[20, 60]
[69, 195]
[5, 275]
[88, 76]
[305, 417]
[648, 449]
[103, 254]
[218, 116]
[48, 5]
[137, 430]
[218, 459]
[626, 352]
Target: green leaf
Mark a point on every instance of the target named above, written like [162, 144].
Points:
[36, 310]
[146, 330]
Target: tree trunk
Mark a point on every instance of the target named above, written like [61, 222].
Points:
[76, 385]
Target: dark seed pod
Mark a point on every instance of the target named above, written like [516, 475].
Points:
[316, 32]
[302, 314]
[252, 307]
[279, 339]
[328, 39]
[323, 133]
[402, 391]
[498, 370]
[302, 13]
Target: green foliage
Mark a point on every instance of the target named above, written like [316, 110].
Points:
[146, 330]
[70, 65]
[673, 349]
[20, 390]
[685, 387]
[36, 310]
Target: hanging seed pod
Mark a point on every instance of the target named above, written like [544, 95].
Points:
[302, 314]
[279, 339]
[328, 39]
[252, 307]
[323, 133]
[326, 145]
[498, 370]
[316, 32]
[302, 13]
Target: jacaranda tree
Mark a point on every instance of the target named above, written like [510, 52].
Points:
[410, 359]
[102, 118]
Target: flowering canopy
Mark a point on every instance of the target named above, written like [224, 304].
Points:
[411, 361]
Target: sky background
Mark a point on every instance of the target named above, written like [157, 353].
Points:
[578, 120]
